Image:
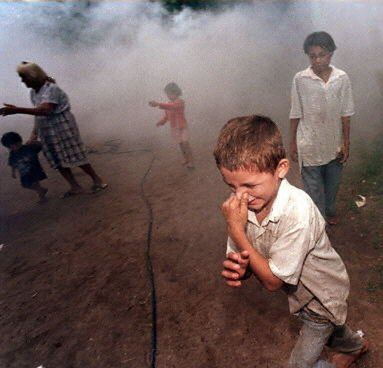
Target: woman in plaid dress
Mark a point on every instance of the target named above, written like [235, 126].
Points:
[55, 126]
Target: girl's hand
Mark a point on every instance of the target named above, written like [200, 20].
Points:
[8, 110]
[234, 210]
[153, 103]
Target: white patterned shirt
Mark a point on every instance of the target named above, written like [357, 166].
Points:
[320, 105]
[294, 241]
[51, 93]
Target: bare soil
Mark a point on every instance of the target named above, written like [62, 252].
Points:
[75, 291]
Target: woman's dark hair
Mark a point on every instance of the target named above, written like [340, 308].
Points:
[11, 138]
[173, 89]
[322, 39]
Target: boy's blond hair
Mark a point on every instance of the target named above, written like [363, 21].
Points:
[249, 143]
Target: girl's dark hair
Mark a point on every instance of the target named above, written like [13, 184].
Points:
[11, 138]
[173, 89]
[322, 39]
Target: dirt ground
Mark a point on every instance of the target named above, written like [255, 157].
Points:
[75, 291]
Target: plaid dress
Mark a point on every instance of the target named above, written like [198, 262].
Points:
[59, 134]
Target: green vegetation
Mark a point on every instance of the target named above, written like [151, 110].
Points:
[365, 177]
[370, 170]
[178, 5]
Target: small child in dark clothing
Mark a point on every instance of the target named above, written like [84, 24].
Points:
[24, 159]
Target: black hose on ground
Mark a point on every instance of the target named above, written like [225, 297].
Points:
[113, 147]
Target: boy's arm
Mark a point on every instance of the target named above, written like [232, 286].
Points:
[235, 212]
[236, 268]
[293, 139]
[345, 152]
[295, 116]
[347, 110]
[258, 264]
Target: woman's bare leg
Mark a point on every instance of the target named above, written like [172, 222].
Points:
[67, 173]
[88, 169]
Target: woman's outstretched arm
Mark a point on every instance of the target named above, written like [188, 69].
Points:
[44, 109]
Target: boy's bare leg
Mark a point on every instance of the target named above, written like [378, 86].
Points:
[41, 191]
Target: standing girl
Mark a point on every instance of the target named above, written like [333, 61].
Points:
[175, 114]
[55, 126]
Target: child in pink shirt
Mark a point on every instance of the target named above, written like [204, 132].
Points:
[175, 114]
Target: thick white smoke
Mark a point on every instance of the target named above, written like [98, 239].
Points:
[113, 57]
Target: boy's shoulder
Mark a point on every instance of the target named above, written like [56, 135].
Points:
[338, 72]
[303, 73]
[308, 73]
[294, 205]
[33, 147]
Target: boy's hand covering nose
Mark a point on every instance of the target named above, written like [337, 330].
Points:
[234, 210]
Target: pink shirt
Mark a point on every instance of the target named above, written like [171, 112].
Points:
[174, 113]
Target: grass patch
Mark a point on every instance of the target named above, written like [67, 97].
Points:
[372, 287]
[377, 243]
[367, 177]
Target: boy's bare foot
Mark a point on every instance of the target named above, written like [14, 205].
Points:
[342, 360]
[332, 220]
[72, 192]
[42, 195]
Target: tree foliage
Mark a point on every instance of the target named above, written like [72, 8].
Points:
[178, 5]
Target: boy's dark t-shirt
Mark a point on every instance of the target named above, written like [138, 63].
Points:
[25, 160]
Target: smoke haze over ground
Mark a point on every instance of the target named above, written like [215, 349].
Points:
[74, 288]
[113, 57]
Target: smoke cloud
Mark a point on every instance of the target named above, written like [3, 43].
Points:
[113, 57]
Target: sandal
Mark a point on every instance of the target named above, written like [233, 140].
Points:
[347, 360]
[332, 221]
[99, 187]
[71, 193]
